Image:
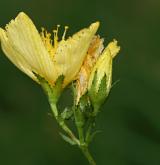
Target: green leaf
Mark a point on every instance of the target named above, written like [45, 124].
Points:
[67, 139]
[89, 140]
[67, 113]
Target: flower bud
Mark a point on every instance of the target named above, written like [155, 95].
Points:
[100, 80]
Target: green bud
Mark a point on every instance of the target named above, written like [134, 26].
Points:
[100, 80]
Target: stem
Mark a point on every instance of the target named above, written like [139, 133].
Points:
[53, 95]
[80, 133]
[68, 131]
[81, 143]
[90, 126]
[79, 122]
[87, 154]
[62, 123]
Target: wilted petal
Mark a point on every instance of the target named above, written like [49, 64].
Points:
[93, 53]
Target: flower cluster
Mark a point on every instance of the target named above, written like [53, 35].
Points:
[55, 63]
[77, 58]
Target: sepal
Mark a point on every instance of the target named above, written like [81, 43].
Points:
[97, 97]
[53, 92]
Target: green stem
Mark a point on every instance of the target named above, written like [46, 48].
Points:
[53, 95]
[89, 130]
[87, 154]
[62, 123]
[79, 122]
[80, 133]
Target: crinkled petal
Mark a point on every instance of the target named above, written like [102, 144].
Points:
[93, 53]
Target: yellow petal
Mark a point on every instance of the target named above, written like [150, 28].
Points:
[24, 39]
[70, 54]
[14, 56]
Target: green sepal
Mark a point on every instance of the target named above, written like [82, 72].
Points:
[102, 91]
[83, 109]
[97, 98]
[79, 117]
[84, 103]
[53, 92]
[67, 139]
[92, 91]
[58, 87]
[77, 109]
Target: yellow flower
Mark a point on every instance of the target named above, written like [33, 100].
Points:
[34, 52]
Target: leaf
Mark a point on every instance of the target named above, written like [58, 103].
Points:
[67, 113]
[93, 135]
[67, 139]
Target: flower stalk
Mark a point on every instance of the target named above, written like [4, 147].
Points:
[87, 154]
[82, 142]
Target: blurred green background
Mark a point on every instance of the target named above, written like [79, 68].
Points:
[130, 120]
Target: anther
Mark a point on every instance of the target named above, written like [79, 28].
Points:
[55, 32]
[65, 31]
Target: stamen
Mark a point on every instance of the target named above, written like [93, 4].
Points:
[42, 33]
[46, 38]
[65, 31]
[55, 32]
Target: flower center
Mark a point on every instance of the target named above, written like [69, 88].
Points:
[51, 45]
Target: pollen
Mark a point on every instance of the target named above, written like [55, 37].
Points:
[48, 42]
[52, 44]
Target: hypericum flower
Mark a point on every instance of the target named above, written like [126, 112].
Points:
[34, 52]
[97, 64]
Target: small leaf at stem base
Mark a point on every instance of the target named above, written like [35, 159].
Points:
[67, 139]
